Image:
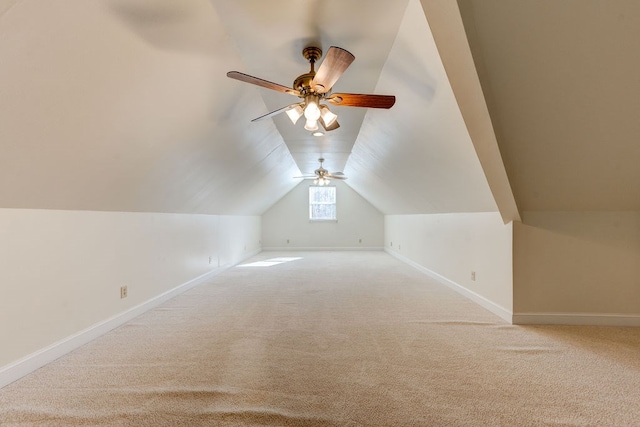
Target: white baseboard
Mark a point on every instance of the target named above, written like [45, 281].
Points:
[40, 358]
[581, 319]
[478, 299]
[310, 249]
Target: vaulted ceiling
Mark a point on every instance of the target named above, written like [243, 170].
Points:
[124, 105]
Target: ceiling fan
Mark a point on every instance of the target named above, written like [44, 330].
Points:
[321, 175]
[314, 87]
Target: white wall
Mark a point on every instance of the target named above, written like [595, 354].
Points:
[61, 271]
[359, 224]
[451, 246]
[577, 267]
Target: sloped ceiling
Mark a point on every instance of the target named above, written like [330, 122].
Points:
[124, 105]
[418, 157]
[561, 82]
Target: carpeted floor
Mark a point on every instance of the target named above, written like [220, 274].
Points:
[334, 339]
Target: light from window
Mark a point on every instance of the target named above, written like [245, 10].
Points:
[270, 262]
[322, 203]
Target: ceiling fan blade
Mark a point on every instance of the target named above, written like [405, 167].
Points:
[337, 175]
[335, 125]
[359, 100]
[335, 62]
[306, 176]
[274, 113]
[261, 82]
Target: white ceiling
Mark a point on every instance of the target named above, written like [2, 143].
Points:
[124, 105]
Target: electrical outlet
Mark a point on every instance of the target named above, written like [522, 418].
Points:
[359, 240]
[391, 244]
[287, 240]
[473, 276]
[210, 259]
[123, 292]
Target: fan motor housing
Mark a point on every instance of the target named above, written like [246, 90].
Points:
[303, 83]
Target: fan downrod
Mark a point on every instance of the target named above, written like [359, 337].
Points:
[303, 82]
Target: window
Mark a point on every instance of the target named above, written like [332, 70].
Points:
[322, 203]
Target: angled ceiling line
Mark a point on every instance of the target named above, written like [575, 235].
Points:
[450, 37]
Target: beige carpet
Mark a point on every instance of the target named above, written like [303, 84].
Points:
[334, 339]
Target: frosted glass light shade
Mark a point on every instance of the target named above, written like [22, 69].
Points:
[295, 113]
[311, 125]
[311, 109]
[327, 116]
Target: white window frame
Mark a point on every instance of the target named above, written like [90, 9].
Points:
[334, 203]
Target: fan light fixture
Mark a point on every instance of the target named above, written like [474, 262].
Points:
[312, 111]
[321, 175]
[313, 87]
[321, 181]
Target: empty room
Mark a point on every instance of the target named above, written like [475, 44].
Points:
[319, 213]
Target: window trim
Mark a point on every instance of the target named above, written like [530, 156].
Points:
[335, 204]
